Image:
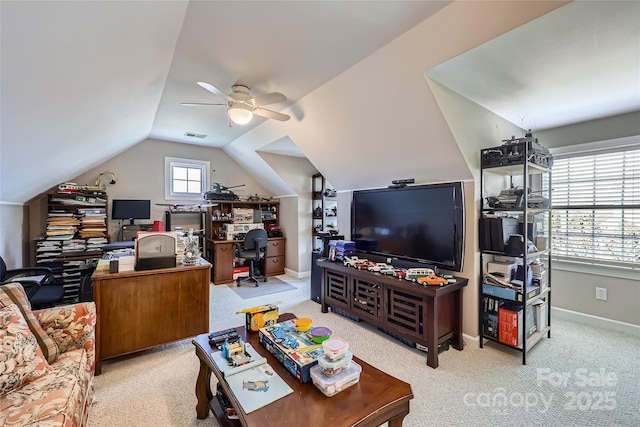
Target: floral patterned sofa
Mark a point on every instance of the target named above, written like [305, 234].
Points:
[47, 361]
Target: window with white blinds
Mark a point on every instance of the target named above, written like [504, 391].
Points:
[596, 207]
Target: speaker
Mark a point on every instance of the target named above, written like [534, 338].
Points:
[316, 277]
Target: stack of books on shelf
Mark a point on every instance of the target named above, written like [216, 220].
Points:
[73, 245]
[61, 225]
[93, 222]
[48, 250]
[96, 243]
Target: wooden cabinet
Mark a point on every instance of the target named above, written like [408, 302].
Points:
[427, 315]
[223, 230]
[219, 218]
[274, 257]
[223, 255]
[137, 310]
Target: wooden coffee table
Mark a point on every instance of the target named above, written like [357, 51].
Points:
[377, 398]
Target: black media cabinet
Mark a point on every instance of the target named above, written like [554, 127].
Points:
[427, 315]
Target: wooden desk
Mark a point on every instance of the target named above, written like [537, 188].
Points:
[377, 398]
[220, 253]
[428, 315]
[137, 310]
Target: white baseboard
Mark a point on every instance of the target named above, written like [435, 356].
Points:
[592, 320]
[296, 274]
[471, 343]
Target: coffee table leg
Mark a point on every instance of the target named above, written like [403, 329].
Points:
[203, 391]
[397, 421]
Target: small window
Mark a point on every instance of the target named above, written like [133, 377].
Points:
[185, 179]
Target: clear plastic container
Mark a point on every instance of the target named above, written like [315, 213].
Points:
[330, 386]
[331, 367]
[335, 348]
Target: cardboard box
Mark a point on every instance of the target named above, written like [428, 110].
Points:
[243, 215]
[507, 293]
[240, 272]
[510, 324]
[504, 268]
[299, 361]
[541, 315]
[259, 317]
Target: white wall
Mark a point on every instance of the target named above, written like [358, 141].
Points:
[296, 219]
[13, 248]
[574, 286]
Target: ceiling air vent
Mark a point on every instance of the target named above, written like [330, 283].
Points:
[195, 135]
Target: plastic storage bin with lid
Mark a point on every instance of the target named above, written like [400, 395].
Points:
[334, 367]
[330, 386]
[335, 348]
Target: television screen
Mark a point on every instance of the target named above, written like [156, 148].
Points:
[130, 209]
[422, 224]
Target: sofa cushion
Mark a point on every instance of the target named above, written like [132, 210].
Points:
[60, 398]
[71, 327]
[21, 359]
[13, 293]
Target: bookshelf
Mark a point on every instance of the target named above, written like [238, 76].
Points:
[72, 243]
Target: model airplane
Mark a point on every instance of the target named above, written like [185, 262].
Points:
[187, 206]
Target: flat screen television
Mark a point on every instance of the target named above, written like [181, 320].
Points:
[421, 224]
[130, 209]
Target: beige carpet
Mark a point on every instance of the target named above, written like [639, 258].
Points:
[470, 388]
[248, 290]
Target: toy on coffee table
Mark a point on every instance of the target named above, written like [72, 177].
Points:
[235, 352]
[292, 346]
[260, 316]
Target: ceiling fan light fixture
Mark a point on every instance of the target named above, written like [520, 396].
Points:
[240, 113]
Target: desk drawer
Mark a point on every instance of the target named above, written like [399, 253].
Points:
[274, 265]
[275, 247]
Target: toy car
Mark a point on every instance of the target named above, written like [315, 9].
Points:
[400, 273]
[351, 261]
[414, 273]
[432, 280]
[377, 266]
[364, 264]
[388, 270]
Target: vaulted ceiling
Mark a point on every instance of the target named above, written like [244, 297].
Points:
[84, 81]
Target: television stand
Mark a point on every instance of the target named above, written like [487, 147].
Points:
[426, 315]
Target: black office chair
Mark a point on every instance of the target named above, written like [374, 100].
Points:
[37, 283]
[86, 288]
[255, 243]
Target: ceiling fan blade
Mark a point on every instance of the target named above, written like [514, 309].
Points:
[270, 98]
[270, 114]
[211, 88]
[197, 104]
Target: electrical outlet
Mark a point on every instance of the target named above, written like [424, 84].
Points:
[601, 294]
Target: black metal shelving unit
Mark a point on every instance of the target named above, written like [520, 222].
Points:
[523, 168]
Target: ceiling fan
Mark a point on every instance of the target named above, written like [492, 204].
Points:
[241, 106]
